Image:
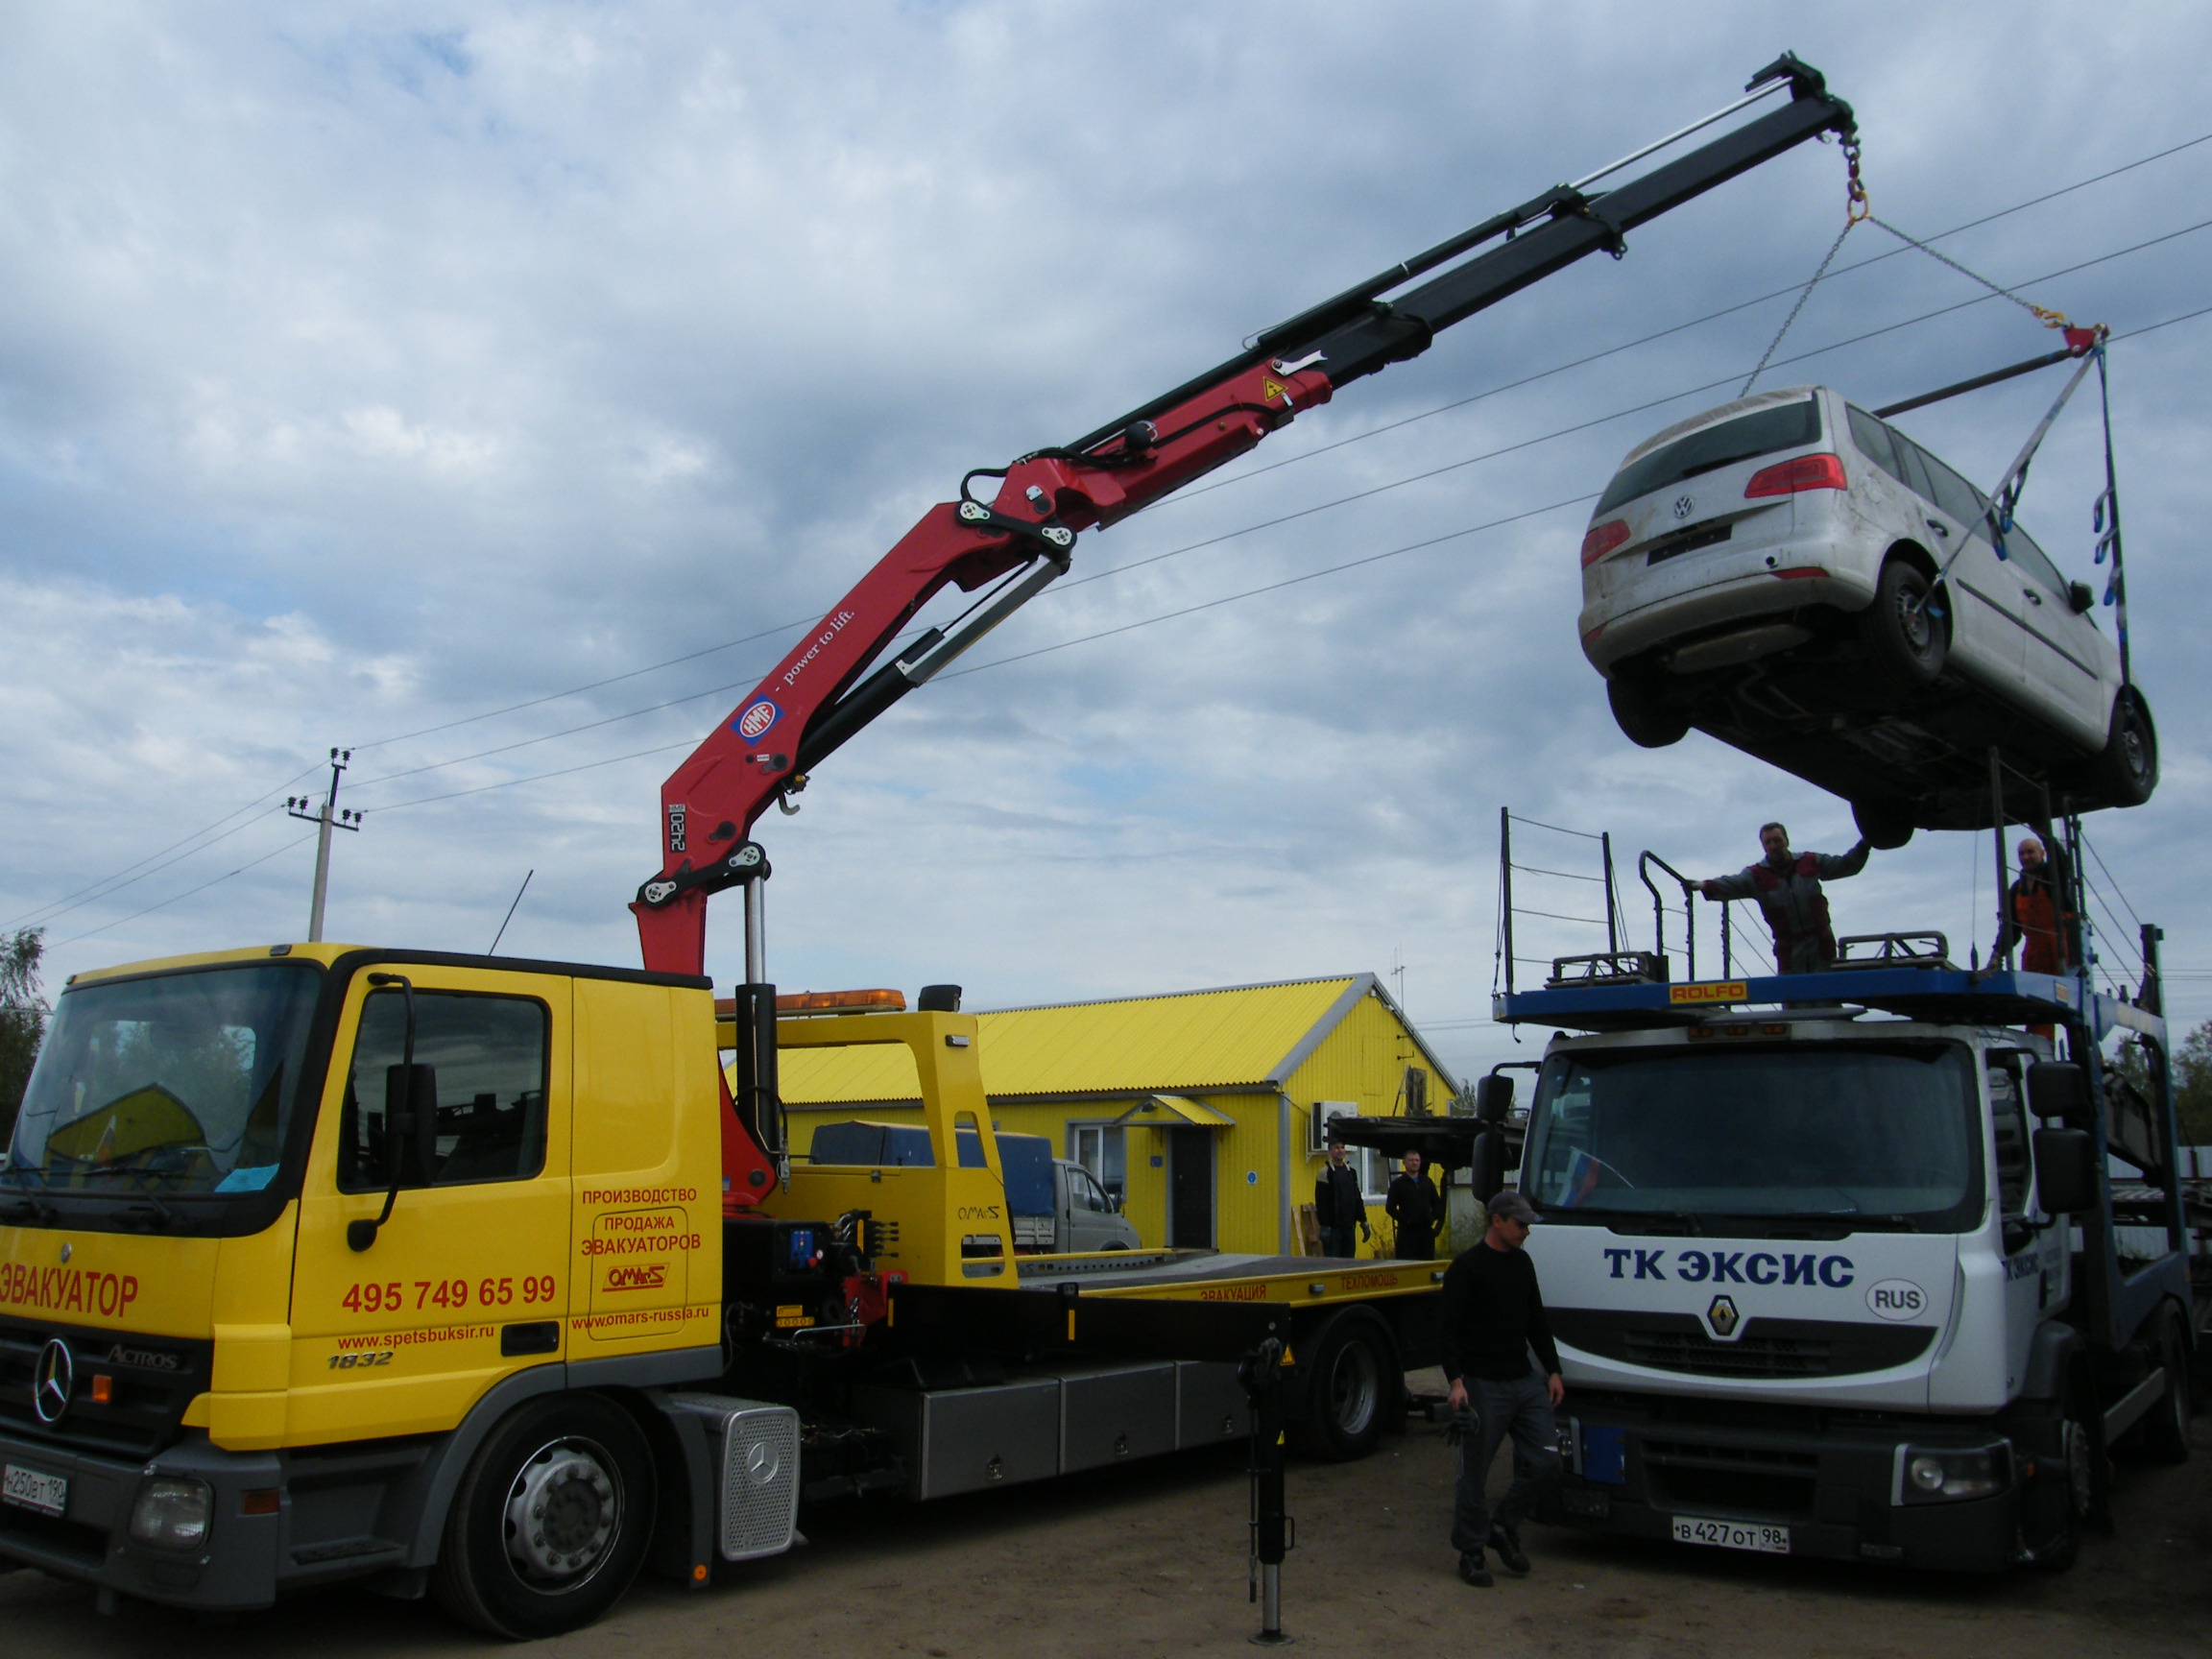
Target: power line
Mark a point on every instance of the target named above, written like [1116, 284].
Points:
[189, 891]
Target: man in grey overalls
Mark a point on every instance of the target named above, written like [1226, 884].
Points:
[1788, 888]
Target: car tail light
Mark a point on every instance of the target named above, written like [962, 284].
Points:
[1603, 540]
[1806, 473]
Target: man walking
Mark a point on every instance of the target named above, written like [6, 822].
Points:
[1413, 1206]
[1788, 888]
[1339, 1205]
[1488, 1318]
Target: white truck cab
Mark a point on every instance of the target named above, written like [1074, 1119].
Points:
[1818, 1284]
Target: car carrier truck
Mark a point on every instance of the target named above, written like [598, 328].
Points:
[1839, 1264]
[485, 1277]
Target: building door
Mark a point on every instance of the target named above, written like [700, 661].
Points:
[1191, 1189]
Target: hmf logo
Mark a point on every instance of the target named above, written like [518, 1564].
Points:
[752, 725]
[652, 1277]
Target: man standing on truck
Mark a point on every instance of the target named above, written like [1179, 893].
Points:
[2034, 915]
[1412, 1206]
[1788, 888]
[1339, 1205]
[1488, 1318]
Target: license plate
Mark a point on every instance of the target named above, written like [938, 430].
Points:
[28, 1489]
[1732, 1535]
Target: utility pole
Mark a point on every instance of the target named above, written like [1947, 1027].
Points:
[327, 818]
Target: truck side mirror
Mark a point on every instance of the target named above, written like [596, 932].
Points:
[1486, 1170]
[1493, 1097]
[410, 1124]
[2066, 1170]
[2057, 1089]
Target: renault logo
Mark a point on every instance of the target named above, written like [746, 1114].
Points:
[1722, 1316]
[52, 1381]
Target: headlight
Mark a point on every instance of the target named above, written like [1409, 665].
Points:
[171, 1513]
[1945, 1477]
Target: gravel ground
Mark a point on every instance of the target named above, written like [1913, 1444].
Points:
[1151, 1560]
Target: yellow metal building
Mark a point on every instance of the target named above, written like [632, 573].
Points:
[1201, 1111]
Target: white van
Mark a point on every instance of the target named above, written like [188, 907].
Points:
[1802, 581]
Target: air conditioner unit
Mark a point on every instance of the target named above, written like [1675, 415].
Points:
[1319, 1119]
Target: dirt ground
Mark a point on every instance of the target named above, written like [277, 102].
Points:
[1151, 1560]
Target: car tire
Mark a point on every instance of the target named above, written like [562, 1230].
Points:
[2166, 1430]
[1352, 1380]
[1887, 824]
[1642, 715]
[575, 1464]
[2128, 767]
[1903, 629]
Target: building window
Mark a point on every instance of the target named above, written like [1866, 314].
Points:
[1102, 1150]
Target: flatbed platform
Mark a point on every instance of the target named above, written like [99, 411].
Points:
[1211, 1276]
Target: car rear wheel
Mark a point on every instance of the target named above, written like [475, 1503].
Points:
[1887, 824]
[2128, 769]
[1903, 629]
[1644, 717]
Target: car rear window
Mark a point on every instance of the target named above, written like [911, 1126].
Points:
[1761, 432]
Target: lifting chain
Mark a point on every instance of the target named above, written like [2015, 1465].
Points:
[1855, 209]
[2042, 314]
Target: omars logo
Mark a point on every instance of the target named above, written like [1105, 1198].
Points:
[651, 1278]
[752, 725]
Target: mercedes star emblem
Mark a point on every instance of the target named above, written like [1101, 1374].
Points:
[52, 1381]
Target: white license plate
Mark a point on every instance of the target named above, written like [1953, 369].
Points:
[28, 1489]
[1732, 1535]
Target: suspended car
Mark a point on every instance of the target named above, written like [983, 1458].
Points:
[1801, 580]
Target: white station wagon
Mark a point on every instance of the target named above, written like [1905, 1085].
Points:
[1801, 580]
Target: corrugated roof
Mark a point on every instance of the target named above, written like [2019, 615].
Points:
[1241, 1036]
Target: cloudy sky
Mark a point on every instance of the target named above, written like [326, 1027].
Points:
[499, 390]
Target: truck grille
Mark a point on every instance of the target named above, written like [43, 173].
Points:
[1750, 1480]
[151, 1380]
[1772, 1349]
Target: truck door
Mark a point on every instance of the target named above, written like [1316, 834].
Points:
[2031, 1293]
[468, 1280]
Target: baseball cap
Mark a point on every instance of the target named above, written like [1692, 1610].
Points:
[1510, 1206]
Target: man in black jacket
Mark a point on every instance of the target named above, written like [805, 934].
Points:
[1488, 1318]
[1412, 1204]
[1338, 1206]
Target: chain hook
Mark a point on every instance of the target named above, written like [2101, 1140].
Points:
[1857, 208]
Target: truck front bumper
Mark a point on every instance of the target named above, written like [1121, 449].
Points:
[233, 1564]
[1836, 1489]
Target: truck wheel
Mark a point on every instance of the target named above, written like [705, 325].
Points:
[1903, 629]
[2057, 1503]
[2166, 1430]
[1887, 824]
[2127, 770]
[549, 1525]
[1354, 1377]
[1644, 717]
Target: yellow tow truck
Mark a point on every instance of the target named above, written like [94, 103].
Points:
[321, 1264]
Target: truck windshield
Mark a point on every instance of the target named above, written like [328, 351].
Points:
[1827, 1130]
[1781, 426]
[178, 1084]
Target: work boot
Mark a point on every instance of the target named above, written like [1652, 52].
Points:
[1507, 1544]
[1472, 1572]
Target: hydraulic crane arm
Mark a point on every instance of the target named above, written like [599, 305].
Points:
[1023, 536]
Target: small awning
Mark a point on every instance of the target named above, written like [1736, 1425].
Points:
[1173, 1110]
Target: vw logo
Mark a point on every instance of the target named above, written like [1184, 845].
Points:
[52, 1381]
[1722, 1316]
[1684, 507]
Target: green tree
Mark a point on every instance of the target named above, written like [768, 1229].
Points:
[2193, 1085]
[22, 1019]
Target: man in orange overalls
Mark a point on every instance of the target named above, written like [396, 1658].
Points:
[2036, 917]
